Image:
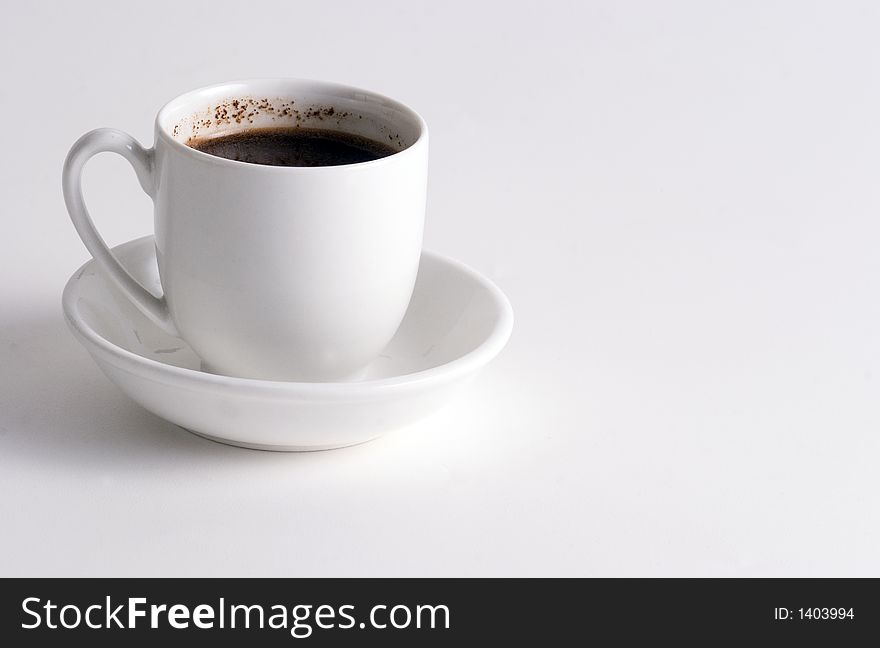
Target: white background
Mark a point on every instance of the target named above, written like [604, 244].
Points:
[680, 199]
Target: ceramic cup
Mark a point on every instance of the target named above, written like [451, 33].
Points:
[280, 273]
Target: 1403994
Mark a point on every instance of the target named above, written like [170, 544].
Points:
[814, 614]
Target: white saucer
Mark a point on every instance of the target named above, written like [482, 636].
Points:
[456, 323]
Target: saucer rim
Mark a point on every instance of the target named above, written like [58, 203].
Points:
[125, 359]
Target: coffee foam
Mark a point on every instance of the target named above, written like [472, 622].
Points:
[236, 114]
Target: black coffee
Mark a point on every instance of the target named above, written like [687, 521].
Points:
[296, 147]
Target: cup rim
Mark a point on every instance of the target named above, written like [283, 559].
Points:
[163, 134]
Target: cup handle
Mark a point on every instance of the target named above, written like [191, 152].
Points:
[114, 141]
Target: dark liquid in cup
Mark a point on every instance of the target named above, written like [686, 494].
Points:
[296, 147]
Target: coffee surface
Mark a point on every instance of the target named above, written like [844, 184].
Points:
[296, 147]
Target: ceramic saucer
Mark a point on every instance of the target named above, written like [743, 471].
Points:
[456, 323]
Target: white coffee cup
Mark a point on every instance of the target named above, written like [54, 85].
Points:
[279, 273]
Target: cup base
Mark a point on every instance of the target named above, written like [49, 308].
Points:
[356, 376]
